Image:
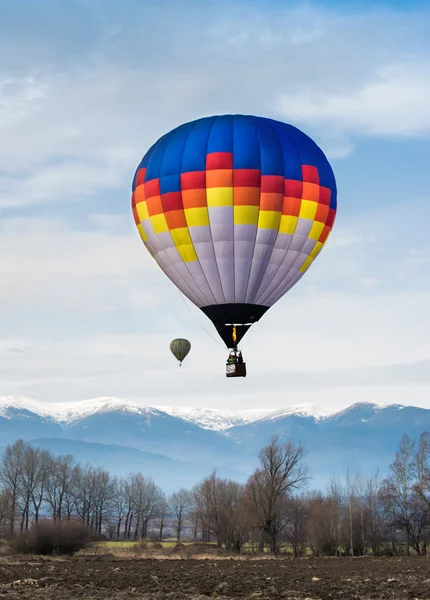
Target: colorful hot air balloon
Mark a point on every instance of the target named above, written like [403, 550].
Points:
[234, 209]
[180, 348]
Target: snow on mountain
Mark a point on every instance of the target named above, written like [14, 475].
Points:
[21, 403]
[68, 412]
[207, 418]
[213, 419]
[300, 410]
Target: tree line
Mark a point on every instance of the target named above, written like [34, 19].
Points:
[274, 510]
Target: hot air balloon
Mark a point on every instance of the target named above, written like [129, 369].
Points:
[180, 348]
[234, 209]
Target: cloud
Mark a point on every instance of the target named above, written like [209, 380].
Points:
[369, 281]
[79, 112]
[100, 293]
[84, 94]
[394, 104]
[52, 266]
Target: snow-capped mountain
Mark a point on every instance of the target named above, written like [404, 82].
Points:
[206, 418]
[214, 419]
[221, 420]
[177, 446]
[68, 412]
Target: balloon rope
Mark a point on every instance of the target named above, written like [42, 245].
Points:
[195, 319]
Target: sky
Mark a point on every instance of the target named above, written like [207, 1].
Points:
[87, 86]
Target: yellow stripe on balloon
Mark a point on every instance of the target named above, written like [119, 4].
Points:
[316, 230]
[288, 224]
[197, 217]
[181, 236]
[269, 219]
[246, 215]
[222, 196]
[142, 211]
[187, 252]
[184, 244]
[142, 232]
[159, 223]
[316, 250]
[305, 266]
[308, 209]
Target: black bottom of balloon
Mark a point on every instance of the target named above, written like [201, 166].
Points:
[225, 316]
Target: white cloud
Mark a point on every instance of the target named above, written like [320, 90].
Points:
[78, 128]
[313, 339]
[394, 103]
[369, 281]
[49, 264]
[88, 311]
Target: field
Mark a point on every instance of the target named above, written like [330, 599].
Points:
[101, 577]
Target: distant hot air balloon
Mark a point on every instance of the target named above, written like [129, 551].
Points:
[234, 209]
[180, 348]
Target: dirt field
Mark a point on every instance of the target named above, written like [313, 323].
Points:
[110, 578]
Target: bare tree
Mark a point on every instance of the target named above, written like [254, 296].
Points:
[33, 479]
[5, 511]
[373, 513]
[41, 482]
[320, 534]
[297, 511]
[197, 510]
[151, 503]
[164, 506]
[103, 498]
[233, 514]
[118, 503]
[399, 487]
[60, 484]
[180, 504]
[130, 491]
[335, 498]
[11, 476]
[351, 486]
[281, 472]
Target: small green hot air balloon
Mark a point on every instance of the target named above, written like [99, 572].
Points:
[180, 349]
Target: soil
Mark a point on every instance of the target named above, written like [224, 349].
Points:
[110, 578]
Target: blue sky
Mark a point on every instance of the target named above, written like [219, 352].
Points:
[86, 86]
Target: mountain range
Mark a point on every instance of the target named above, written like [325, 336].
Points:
[179, 446]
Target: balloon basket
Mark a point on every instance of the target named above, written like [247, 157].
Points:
[236, 370]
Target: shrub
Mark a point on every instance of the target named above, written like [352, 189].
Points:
[49, 537]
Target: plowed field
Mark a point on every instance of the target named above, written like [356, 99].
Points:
[109, 578]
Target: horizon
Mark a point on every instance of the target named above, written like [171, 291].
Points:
[86, 89]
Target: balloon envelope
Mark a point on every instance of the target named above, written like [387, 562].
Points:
[234, 209]
[180, 348]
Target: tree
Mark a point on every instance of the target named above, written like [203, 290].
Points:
[321, 536]
[180, 504]
[103, 496]
[164, 507]
[60, 484]
[297, 511]
[11, 476]
[400, 491]
[233, 514]
[130, 492]
[41, 482]
[33, 480]
[373, 513]
[118, 503]
[281, 472]
[152, 499]
[351, 486]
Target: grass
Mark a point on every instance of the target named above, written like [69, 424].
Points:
[131, 544]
